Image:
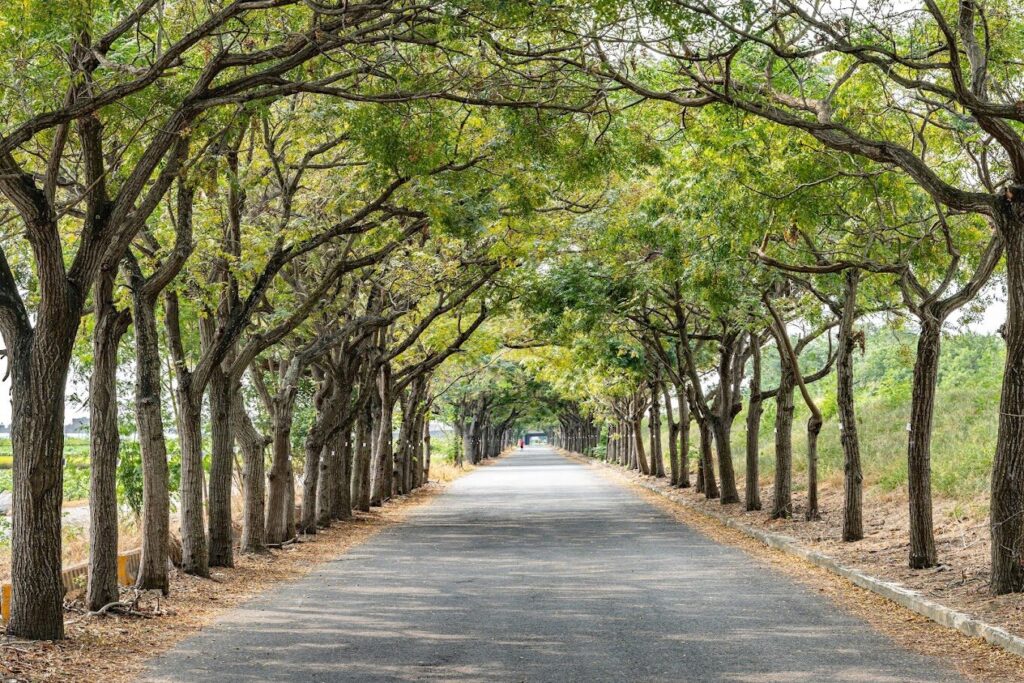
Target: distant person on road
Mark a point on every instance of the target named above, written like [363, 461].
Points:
[521, 443]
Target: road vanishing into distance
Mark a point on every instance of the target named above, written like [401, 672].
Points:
[539, 569]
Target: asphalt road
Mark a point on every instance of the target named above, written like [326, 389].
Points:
[538, 569]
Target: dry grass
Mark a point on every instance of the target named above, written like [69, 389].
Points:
[75, 546]
[116, 648]
[973, 658]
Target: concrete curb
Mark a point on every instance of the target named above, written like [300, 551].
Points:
[895, 592]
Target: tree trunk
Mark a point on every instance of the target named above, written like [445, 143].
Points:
[280, 475]
[706, 474]
[104, 443]
[194, 558]
[723, 414]
[326, 485]
[252, 444]
[1006, 515]
[853, 478]
[922, 404]
[752, 493]
[315, 443]
[341, 504]
[638, 444]
[782, 498]
[813, 429]
[222, 452]
[684, 437]
[426, 447]
[156, 502]
[673, 437]
[384, 474]
[310, 477]
[361, 480]
[657, 459]
[289, 509]
[722, 430]
[38, 378]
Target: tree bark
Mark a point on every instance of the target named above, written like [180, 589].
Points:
[222, 442]
[657, 459]
[314, 445]
[684, 437]
[638, 445]
[156, 502]
[342, 502]
[1007, 497]
[361, 478]
[104, 444]
[752, 492]
[39, 374]
[782, 498]
[194, 557]
[280, 479]
[673, 437]
[706, 475]
[853, 478]
[922, 404]
[252, 445]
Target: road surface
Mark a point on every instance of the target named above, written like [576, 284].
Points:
[538, 569]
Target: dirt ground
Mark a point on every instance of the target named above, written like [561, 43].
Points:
[960, 582]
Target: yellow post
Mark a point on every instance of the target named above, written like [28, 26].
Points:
[122, 571]
[5, 602]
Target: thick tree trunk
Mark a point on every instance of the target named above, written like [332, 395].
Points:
[222, 442]
[384, 474]
[724, 412]
[38, 378]
[853, 478]
[310, 477]
[156, 503]
[684, 437]
[706, 474]
[326, 485]
[752, 493]
[922, 405]
[341, 503]
[638, 445]
[280, 479]
[782, 498]
[426, 447]
[657, 459]
[289, 509]
[314, 446]
[722, 430]
[1006, 515]
[673, 437]
[813, 430]
[194, 558]
[361, 478]
[252, 445]
[104, 443]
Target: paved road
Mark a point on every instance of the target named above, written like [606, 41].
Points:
[538, 569]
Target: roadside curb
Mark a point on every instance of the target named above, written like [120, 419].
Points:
[895, 592]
